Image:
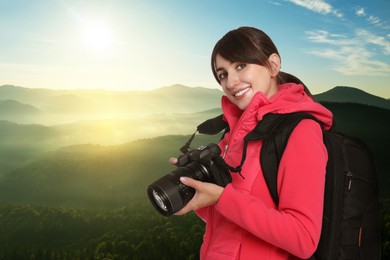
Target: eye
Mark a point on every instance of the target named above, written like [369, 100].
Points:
[222, 76]
[241, 66]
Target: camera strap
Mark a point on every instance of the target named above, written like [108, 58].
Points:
[187, 145]
[211, 126]
[214, 126]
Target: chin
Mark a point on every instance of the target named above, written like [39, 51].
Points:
[242, 106]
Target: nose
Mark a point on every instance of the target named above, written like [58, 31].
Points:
[232, 80]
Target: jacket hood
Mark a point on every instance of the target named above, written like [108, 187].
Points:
[290, 98]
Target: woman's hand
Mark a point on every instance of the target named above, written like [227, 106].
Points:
[206, 194]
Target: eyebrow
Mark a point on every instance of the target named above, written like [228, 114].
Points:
[221, 68]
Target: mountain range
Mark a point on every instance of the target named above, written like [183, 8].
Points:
[46, 106]
[50, 107]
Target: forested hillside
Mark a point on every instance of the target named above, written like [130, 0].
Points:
[133, 232]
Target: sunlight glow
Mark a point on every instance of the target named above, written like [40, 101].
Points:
[98, 36]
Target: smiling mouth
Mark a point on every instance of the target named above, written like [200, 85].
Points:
[242, 92]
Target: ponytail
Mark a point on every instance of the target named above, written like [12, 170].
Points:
[284, 77]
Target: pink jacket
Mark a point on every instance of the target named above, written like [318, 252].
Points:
[245, 223]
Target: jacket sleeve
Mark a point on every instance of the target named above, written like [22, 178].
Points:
[295, 226]
[202, 213]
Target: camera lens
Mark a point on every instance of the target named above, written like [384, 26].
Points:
[159, 201]
[169, 195]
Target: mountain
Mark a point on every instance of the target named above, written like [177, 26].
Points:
[352, 95]
[21, 143]
[13, 107]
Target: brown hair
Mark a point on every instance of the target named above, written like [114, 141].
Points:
[249, 45]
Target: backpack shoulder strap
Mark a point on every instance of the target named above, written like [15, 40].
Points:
[277, 129]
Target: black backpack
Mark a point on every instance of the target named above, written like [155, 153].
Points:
[351, 226]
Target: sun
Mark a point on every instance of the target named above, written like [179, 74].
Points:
[97, 36]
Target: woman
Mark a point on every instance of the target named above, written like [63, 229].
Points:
[242, 221]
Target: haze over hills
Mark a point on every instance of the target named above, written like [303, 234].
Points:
[51, 107]
[8, 107]
[20, 143]
[64, 106]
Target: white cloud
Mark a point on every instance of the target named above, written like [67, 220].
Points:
[318, 6]
[360, 11]
[373, 19]
[321, 36]
[359, 61]
[274, 3]
[371, 38]
[353, 55]
[327, 53]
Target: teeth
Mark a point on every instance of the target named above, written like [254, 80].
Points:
[241, 92]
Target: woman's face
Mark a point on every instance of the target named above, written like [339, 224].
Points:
[240, 81]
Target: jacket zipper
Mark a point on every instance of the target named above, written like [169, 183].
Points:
[349, 176]
[225, 151]
[233, 132]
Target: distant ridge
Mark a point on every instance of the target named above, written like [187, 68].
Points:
[343, 94]
[63, 106]
[14, 107]
[49, 106]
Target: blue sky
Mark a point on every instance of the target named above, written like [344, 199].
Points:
[127, 45]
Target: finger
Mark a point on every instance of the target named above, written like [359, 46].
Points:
[172, 160]
[187, 208]
[191, 182]
[191, 205]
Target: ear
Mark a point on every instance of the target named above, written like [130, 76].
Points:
[274, 61]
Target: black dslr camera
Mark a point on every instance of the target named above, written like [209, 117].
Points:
[168, 195]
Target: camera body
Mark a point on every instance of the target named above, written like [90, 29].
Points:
[168, 194]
